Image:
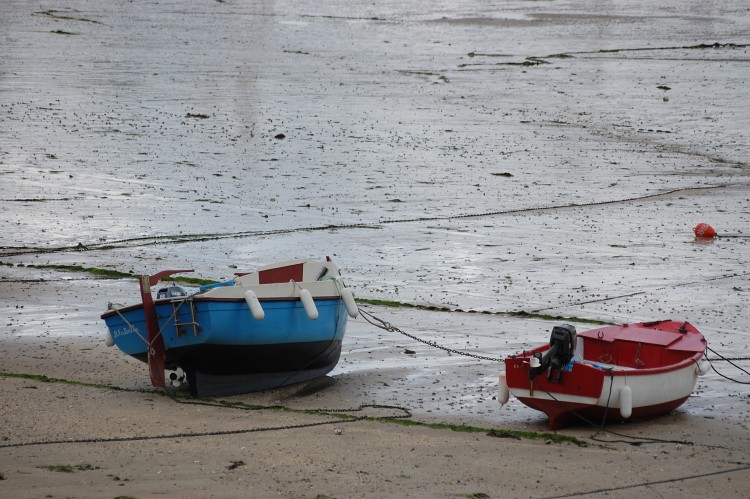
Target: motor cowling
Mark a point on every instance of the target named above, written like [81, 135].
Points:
[171, 292]
[562, 344]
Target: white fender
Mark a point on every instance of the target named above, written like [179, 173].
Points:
[255, 307]
[535, 362]
[351, 305]
[703, 367]
[626, 402]
[307, 300]
[108, 339]
[503, 393]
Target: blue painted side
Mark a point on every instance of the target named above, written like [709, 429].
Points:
[231, 323]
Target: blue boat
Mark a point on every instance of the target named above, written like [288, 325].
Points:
[279, 325]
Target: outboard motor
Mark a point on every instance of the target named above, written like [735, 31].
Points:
[171, 292]
[562, 345]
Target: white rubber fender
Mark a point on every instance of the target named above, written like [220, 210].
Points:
[351, 305]
[503, 393]
[626, 402]
[255, 307]
[108, 339]
[307, 301]
[703, 367]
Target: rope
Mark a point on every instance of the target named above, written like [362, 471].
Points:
[172, 239]
[656, 482]
[635, 441]
[132, 327]
[711, 361]
[662, 288]
[330, 412]
[149, 344]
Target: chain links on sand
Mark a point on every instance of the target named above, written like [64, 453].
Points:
[387, 326]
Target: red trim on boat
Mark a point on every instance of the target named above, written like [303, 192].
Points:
[583, 380]
[562, 414]
[281, 274]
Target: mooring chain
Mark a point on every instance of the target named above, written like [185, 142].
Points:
[172, 435]
[323, 412]
[150, 240]
[387, 326]
[661, 288]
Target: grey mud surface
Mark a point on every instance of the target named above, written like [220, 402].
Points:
[544, 157]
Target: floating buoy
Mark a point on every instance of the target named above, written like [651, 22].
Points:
[307, 301]
[704, 230]
[255, 307]
[108, 339]
[351, 305]
[503, 393]
[626, 402]
[702, 367]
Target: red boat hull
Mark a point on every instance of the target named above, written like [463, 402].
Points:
[627, 372]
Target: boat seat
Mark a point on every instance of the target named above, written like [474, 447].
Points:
[604, 365]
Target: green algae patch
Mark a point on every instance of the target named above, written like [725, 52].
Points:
[555, 438]
[105, 273]
[498, 433]
[518, 313]
[113, 274]
[41, 378]
[69, 468]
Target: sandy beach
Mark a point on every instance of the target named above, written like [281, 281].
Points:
[496, 168]
[80, 420]
[83, 439]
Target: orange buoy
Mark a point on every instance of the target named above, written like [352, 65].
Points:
[704, 230]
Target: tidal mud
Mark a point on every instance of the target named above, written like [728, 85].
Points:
[516, 157]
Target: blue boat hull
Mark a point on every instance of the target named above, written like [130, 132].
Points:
[221, 347]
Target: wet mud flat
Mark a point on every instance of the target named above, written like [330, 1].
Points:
[475, 160]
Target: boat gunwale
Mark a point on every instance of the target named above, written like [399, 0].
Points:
[205, 299]
[617, 370]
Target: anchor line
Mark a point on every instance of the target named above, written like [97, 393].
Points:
[189, 238]
[651, 484]
[721, 357]
[323, 412]
[135, 329]
[661, 288]
[601, 428]
[387, 326]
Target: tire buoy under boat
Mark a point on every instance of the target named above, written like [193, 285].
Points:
[307, 301]
[255, 307]
[108, 339]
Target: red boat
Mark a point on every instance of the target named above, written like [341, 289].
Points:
[614, 373]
